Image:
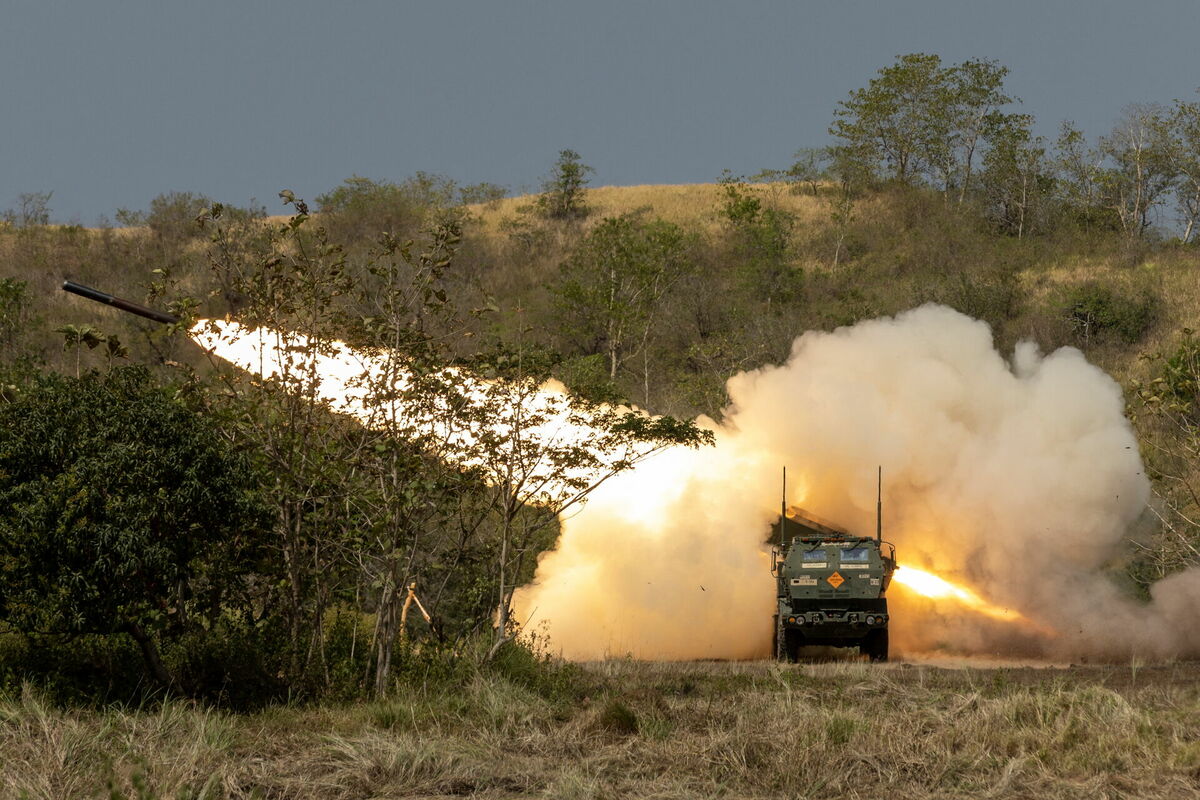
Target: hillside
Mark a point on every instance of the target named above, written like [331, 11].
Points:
[898, 258]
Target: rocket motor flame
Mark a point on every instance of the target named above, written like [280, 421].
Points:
[929, 585]
[1022, 476]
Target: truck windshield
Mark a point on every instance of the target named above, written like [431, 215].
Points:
[854, 554]
[814, 555]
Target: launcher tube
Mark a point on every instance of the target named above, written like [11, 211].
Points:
[117, 302]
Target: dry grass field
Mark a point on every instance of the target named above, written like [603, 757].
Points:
[689, 204]
[638, 730]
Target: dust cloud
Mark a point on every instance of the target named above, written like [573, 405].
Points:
[1019, 478]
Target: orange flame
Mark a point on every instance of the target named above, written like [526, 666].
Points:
[929, 585]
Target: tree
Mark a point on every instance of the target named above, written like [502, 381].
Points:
[564, 192]
[542, 452]
[921, 121]
[292, 281]
[412, 484]
[87, 336]
[762, 242]
[1016, 176]
[33, 210]
[976, 96]
[172, 216]
[614, 284]
[1184, 156]
[1141, 172]
[1166, 409]
[361, 209]
[809, 167]
[120, 511]
[898, 121]
[14, 299]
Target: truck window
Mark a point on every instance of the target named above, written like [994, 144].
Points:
[855, 554]
[814, 555]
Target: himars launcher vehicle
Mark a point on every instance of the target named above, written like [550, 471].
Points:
[831, 586]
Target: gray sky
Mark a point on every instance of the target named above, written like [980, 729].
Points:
[108, 104]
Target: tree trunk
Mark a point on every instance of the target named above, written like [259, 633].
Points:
[151, 657]
[502, 607]
[385, 639]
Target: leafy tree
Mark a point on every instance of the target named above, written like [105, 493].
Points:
[1017, 178]
[1184, 155]
[614, 284]
[564, 192]
[809, 167]
[361, 209]
[1096, 311]
[292, 282]
[415, 488]
[899, 119]
[173, 216]
[1166, 409]
[14, 297]
[542, 452]
[976, 96]
[762, 242]
[120, 511]
[90, 337]
[1079, 170]
[1141, 172]
[920, 121]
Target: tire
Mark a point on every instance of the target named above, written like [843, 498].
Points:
[875, 646]
[792, 642]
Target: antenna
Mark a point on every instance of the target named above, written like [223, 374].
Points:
[782, 506]
[879, 508]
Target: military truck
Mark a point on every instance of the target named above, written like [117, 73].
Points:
[831, 587]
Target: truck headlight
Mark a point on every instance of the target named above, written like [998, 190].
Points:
[799, 620]
[870, 619]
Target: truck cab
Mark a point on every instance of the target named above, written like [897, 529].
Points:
[831, 588]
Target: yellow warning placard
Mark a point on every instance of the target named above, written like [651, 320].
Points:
[835, 580]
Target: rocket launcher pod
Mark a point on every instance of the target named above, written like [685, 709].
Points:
[117, 302]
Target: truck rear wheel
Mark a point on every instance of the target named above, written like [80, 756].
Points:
[792, 642]
[875, 645]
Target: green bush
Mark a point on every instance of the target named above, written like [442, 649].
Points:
[122, 512]
[1096, 311]
[550, 677]
[172, 216]
[361, 209]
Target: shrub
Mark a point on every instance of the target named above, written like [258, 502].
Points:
[172, 216]
[618, 718]
[1097, 312]
[563, 193]
[361, 209]
[121, 511]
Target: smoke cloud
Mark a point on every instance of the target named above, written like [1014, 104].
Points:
[1019, 479]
